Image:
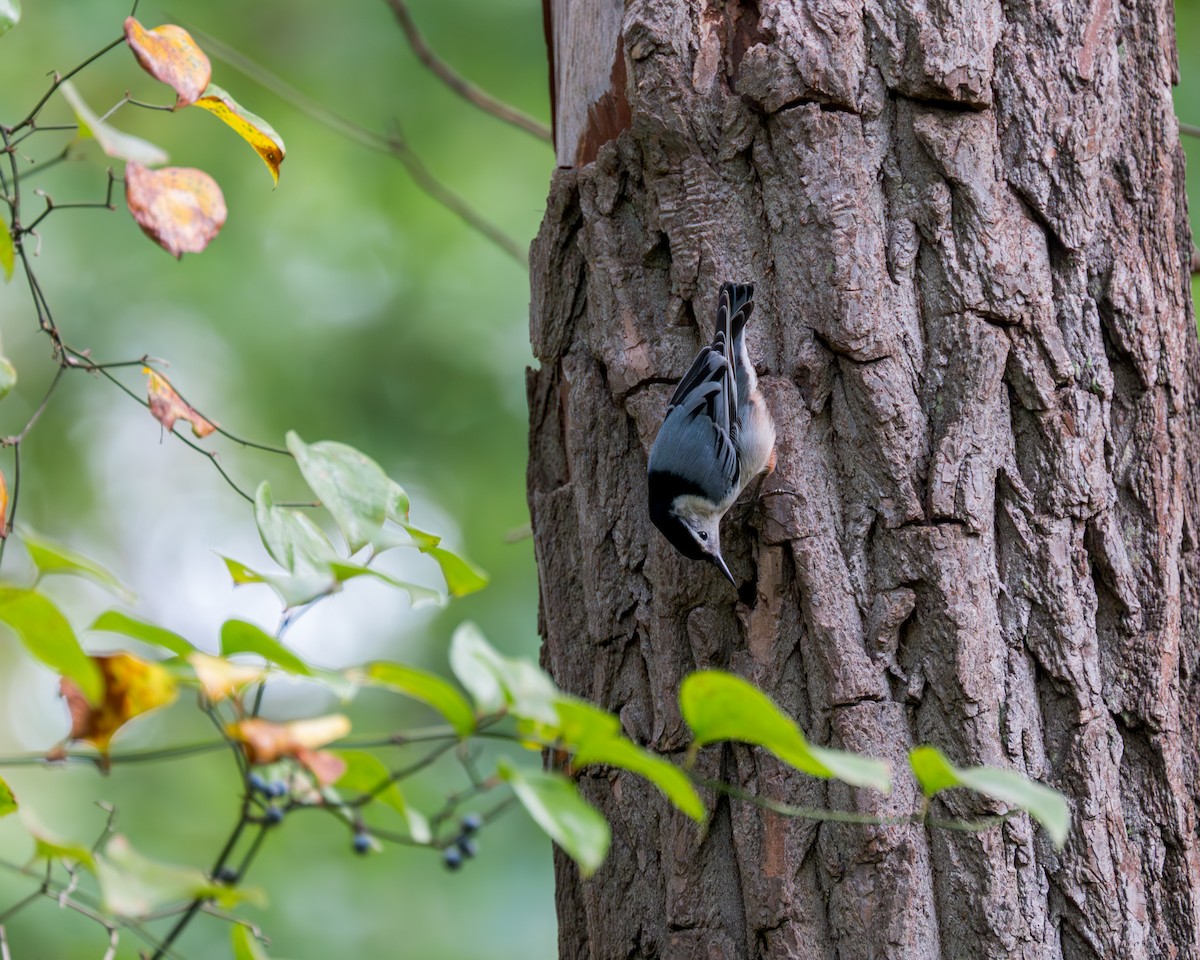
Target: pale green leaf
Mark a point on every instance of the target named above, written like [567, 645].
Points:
[113, 621]
[426, 687]
[54, 558]
[49, 637]
[498, 682]
[133, 885]
[8, 373]
[554, 804]
[365, 773]
[8, 802]
[350, 485]
[418, 595]
[720, 706]
[291, 538]
[10, 15]
[238, 636]
[114, 143]
[294, 591]
[1048, 807]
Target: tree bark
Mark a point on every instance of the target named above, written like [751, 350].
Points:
[967, 226]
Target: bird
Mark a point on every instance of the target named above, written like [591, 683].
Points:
[717, 436]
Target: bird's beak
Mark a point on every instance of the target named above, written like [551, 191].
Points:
[720, 562]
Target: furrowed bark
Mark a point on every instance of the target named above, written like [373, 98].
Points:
[967, 225]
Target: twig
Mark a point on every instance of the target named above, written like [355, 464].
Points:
[60, 79]
[396, 146]
[1189, 129]
[459, 84]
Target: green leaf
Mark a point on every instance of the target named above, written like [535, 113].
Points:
[1048, 807]
[133, 885]
[238, 636]
[594, 736]
[350, 485]
[113, 621]
[54, 558]
[10, 15]
[245, 946]
[556, 806]
[8, 373]
[8, 802]
[721, 706]
[49, 637]
[114, 143]
[497, 682]
[418, 595]
[933, 771]
[50, 846]
[366, 773]
[292, 590]
[8, 253]
[462, 577]
[426, 687]
[291, 538]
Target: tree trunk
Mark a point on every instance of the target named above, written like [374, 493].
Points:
[967, 226]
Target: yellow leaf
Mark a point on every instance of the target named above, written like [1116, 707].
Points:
[220, 679]
[131, 687]
[168, 53]
[167, 406]
[253, 129]
[7, 251]
[180, 208]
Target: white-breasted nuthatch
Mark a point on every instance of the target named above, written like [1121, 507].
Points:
[717, 436]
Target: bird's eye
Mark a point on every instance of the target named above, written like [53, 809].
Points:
[703, 535]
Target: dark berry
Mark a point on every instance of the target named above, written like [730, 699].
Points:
[468, 847]
[257, 783]
[226, 875]
[273, 814]
[452, 858]
[276, 788]
[471, 822]
[362, 843]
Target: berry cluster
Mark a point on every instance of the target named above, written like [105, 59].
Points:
[464, 846]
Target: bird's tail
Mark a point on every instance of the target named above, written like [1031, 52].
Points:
[736, 305]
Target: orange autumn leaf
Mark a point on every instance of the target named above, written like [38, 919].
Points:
[167, 406]
[252, 128]
[220, 679]
[180, 208]
[265, 742]
[168, 53]
[3, 507]
[131, 687]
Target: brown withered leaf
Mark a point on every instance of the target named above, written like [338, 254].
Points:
[266, 742]
[131, 687]
[167, 406]
[168, 53]
[180, 208]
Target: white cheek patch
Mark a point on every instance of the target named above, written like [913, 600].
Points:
[695, 510]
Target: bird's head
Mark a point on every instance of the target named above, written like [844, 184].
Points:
[693, 526]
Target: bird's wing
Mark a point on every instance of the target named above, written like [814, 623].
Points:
[693, 443]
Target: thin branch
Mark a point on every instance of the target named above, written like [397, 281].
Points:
[1189, 129]
[59, 80]
[394, 145]
[459, 84]
[810, 813]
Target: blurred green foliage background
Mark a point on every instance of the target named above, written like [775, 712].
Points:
[346, 305]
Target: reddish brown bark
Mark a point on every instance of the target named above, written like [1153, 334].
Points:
[967, 225]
